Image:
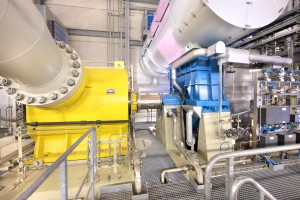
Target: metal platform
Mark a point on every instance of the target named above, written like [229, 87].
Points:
[284, 184]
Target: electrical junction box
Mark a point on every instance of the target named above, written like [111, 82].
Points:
[268, 140]
[274, 115]
[295, 118]
[286, 138]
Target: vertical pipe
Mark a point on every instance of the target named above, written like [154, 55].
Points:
[175, 84]
[109, 24]
[93, 160]
[220, 94]
[127, 34]
[63, 180]
[137, 175]
[119, 32]
[255, 111]
[113, 31]
[107, 30]
[121, 29]
[189, 128]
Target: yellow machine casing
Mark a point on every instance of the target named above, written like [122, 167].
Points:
[103, 96]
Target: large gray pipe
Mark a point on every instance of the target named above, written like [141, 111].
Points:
[32, 66]
[202, 23]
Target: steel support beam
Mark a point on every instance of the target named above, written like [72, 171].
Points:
[271, 39]
[276, 28]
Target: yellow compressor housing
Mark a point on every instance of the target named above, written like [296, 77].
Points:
[102, 96]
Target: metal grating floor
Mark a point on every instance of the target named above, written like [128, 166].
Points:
[156, 160]
[284, 184]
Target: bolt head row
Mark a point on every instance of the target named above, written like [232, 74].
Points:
[19, 97]
[75, 73]
[61, 44]
[74, 56]
[69, 49]
[76, 64]
[41, 99]
[63, 89]
[4, 81]
[11, 91]
[53, 96]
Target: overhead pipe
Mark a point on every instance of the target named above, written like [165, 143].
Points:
[219, 21]
[270, 59]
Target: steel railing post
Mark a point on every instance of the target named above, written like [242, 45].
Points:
[64, 180]
[93, 162]
[229, 176]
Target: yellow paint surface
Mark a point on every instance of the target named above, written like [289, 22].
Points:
[104, 97]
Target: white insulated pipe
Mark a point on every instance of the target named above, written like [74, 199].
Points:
[202, 23]
[189, 128]
[172, 170]
[39, 72]
[270, 59]
[29, 54]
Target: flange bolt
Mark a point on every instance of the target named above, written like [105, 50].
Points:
[71, 82]
[63, 89]
[74, 56]
[41, 99]
[76, 64]
[19, 97]
[75, 73]
[69, 49]
[30, 100]
[11, 91]
[53, 96]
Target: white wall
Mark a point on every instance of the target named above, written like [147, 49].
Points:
[92, 15]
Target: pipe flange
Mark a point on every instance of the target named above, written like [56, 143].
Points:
[43, 98]
[191, 154]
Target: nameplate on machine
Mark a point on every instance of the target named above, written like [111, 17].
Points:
[110, 91]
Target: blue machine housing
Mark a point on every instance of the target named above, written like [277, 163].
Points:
[199, 80]
[170, 100]
[150, 17]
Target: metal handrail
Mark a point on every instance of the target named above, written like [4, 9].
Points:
[230, 165]
[240, 181]
[62, 162]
